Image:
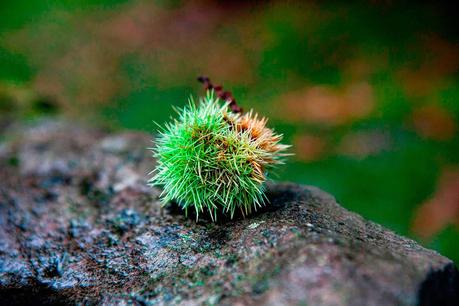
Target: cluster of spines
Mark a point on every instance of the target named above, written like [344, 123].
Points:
[213, 158]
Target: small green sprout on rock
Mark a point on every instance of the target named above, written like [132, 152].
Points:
[214, 158]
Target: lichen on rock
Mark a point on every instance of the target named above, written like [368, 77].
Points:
[67, 236]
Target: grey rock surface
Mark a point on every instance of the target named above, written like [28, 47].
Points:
[79, 225]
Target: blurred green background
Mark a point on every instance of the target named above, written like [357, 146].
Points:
[367, 92]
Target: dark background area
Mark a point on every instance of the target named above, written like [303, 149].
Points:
[366, 92]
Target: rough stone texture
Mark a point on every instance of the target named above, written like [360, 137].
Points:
[79, 225]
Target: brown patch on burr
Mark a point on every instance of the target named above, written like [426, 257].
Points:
[262, 137]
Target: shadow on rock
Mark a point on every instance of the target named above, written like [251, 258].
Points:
[279, 196]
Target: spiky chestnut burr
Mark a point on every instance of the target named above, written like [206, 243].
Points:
[214, 158]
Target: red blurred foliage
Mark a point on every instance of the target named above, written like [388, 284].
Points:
[309, 147]
[432, 121]
[85, 65]
[440, 210]
[324, 106]
[441, 59]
